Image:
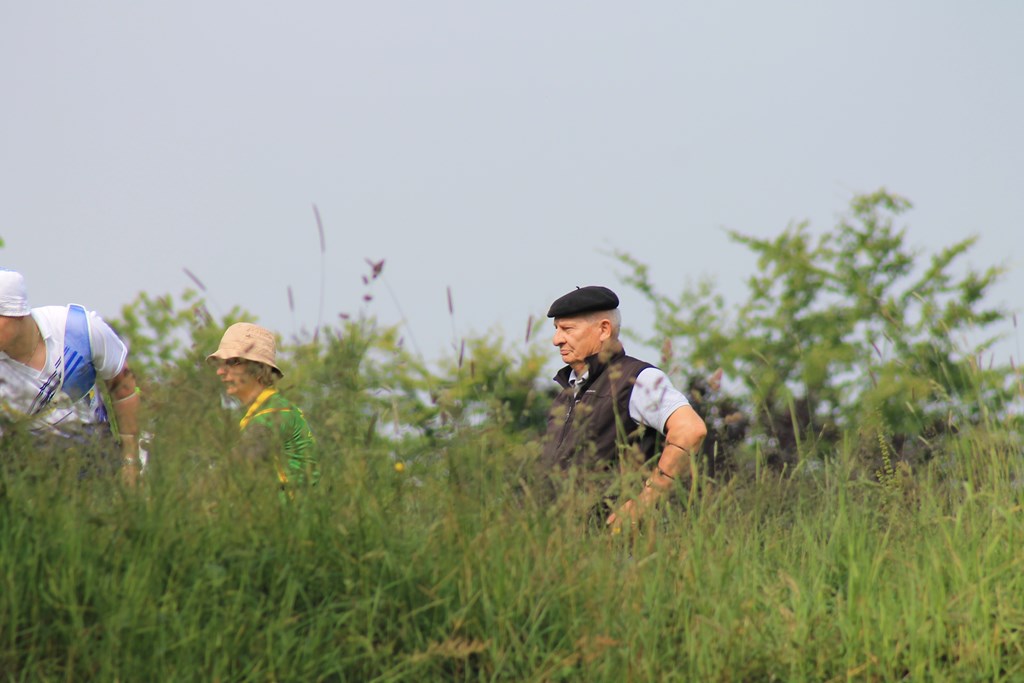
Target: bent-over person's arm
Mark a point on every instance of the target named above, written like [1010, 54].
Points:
[125, 400]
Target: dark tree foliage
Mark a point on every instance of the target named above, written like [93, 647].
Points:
[726, 420]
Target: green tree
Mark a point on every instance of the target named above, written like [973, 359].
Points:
[842, 329]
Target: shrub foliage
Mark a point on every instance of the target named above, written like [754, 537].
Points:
[845, 330]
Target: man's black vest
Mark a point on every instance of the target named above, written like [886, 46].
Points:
[589, 426]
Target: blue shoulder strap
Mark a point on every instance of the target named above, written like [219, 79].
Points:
[79, 373]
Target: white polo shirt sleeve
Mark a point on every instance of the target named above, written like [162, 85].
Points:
[109, 353]
[654, 399]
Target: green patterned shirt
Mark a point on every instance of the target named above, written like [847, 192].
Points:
[275, 428]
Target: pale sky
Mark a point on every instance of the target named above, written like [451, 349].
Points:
[499, 149]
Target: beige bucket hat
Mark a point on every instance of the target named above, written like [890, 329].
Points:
[248, 341]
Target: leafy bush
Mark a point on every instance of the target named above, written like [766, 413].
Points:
[844, 331]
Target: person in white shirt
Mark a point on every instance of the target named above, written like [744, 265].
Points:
[51, 359]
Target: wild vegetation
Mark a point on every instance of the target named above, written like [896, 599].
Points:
[857, 517]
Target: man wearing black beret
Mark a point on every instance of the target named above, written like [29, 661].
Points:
[613, 409]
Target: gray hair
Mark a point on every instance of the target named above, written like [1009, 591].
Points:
[613, 316]
[261, 372]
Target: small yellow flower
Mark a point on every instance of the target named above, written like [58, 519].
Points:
[399, 467]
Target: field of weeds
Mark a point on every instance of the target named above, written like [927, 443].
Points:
[443, 568]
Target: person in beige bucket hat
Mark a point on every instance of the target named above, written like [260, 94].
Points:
[273, 428]
[248, 342]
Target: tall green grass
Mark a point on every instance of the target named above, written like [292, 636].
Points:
[448, 570]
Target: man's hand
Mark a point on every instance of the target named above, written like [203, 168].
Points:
[628, 514]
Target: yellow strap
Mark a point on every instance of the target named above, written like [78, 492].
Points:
[270, 411]
[256, 405]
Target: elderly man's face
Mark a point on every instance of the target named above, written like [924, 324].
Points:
[579, 338]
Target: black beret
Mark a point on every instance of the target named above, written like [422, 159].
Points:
[583, 300]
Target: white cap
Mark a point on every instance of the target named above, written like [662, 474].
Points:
[13, 295]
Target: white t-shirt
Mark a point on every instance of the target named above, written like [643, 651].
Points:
[26, 392]
[652, 400]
